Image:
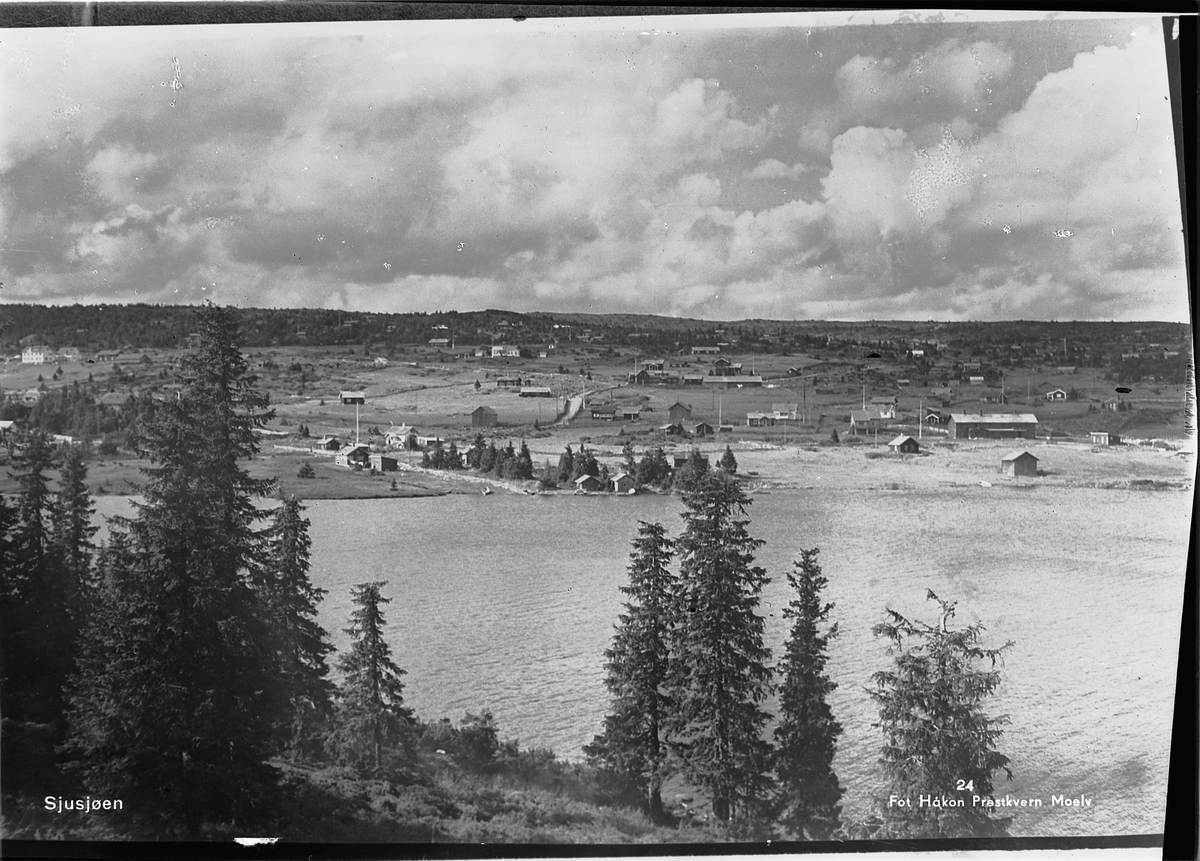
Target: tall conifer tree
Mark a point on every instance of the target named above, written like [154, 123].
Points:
[178, 706]
[72, 534]
[371, 714]
[720, 673]
[36, 630]
[806, 738]
[939, 741]
[631, 742]
[303, 645]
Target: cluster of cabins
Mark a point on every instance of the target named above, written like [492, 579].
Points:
[724, 374]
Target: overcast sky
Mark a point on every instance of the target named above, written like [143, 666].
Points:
[694, 166]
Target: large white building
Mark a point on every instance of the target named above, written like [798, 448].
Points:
[35, 355]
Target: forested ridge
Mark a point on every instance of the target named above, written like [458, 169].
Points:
[91, 328]
[178, 667]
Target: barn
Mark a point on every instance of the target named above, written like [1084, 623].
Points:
[588, 484]
[384, 463]
[483, 417]
[622, 482]
[1019, 464]
[353, 456]
[993, 426]
[679, 412]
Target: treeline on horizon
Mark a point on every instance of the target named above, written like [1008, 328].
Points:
[145, 326]
[179, 665]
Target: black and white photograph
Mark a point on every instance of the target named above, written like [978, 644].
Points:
[772, 431]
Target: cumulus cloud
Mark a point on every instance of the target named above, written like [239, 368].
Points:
[495, 167]
[868, 182]
[952, 78]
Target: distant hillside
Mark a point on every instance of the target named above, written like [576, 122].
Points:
[101, 327]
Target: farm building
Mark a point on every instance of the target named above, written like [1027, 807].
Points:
[1112, 404]
[785, 412]
[630, 414]
[354, 397]
[734, 382]
[604, 414]
[679, 412]
[1104, 438]
[329, 443]
[641, 378]
[904, 444]
[705, 351]
[105, 356]
[993, 426]
[680, 460]
[702, 429]
[353, 455]
[536, 392]
[692, 379]
[759, 420]
[1019, 464]
[383, 463]
[1056, 395]
[588, 483]
[671, 429]
[622, 482]
[502, 351]
[509, 382]
[483, 417]
[975, 381]
[865, 421]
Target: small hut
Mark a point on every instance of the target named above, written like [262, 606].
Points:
[1019, 464]
[904, 444]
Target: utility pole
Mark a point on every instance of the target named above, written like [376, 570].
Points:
[920, 418]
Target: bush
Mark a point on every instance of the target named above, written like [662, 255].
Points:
[306, 471]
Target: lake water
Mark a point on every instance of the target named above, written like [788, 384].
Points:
[507, 603]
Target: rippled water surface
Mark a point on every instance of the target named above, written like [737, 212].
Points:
[507, 602]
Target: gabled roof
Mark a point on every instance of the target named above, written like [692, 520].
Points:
[1016, 454]
[902, 438]
[1005, 418]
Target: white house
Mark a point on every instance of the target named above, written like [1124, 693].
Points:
[35, 355]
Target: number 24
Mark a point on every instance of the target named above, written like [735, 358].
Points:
[965, 786]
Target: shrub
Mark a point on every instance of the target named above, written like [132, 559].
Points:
[306, 471]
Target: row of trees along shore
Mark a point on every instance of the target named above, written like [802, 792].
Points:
[179, 665]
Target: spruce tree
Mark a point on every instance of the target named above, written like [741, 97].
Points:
[177, 705]
[371, 713]
[806, 738]
[939, 741]
[728, 461]
[73, 531]
[720, 673]
[631, 742]
[34, 600]
[566, 463]
[303, 645]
